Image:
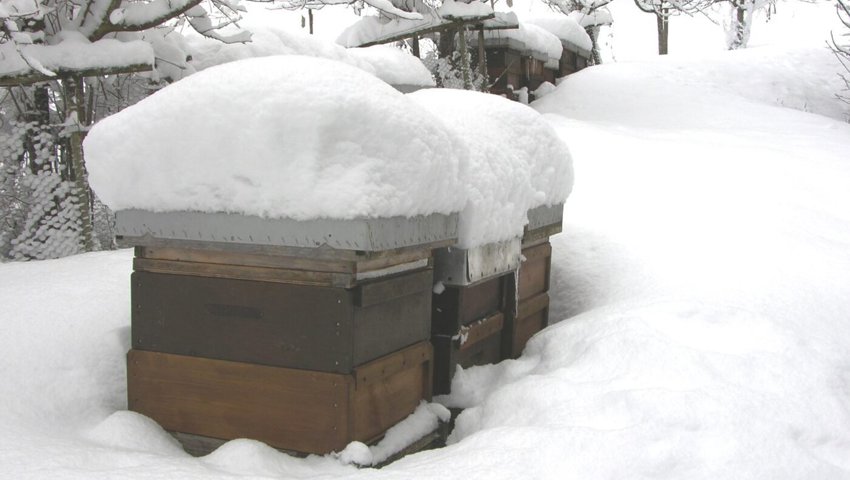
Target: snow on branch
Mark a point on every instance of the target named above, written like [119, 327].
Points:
[666, 8]
[201, 22]
[384, 6]
[135, 17]
[74, 55]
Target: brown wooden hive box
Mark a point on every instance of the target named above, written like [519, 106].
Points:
[290, 409]
[323, 328]
[466, 326]
[532, 309]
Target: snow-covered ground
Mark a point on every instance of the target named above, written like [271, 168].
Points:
[702, 280]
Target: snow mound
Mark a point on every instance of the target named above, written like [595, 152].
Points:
[516, 162]
[802, 78]
[284, 136]
[134, 431]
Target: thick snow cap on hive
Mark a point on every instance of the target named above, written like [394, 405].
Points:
[267, 41]
[565, 28]
[535, 40]
[516, 162]
[387, 63]
[394, 66]
[279, 137]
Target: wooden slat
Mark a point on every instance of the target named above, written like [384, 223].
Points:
[398, 257]
[533, 305]
[533, 316]
[483, 345]
[354, 264]
[390, 389]
[544, 250]
[487, 351]
[376, 370]
[533, 278]
[319, 253]
[478, 331]
[542, 233]
[380, 291]
[459, 306]
[245, 259]
[481, 300]
[534, 270]
[286, 408]
[279, 275]
[526, 328]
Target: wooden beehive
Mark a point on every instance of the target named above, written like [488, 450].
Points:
[504, 68]
[304, 335]
[530, 293]
[466, 326]
[531, 311]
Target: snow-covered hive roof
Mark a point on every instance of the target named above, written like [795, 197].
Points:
[529, 39]
[516, 162]
[572, 35]
[394, 66]
[389, 64]
[278, 137]
[373, 29]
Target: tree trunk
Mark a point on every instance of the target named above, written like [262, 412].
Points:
[739, 27]
[310, 19]
[39, 112]
[447, 42]
[595, 53]
[482, 56]
[74, 102]
[464, 60]
[663, 22]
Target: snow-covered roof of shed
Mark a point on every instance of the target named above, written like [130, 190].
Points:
[516, 162]
[531, 39]
[278, 137]
[566, 29]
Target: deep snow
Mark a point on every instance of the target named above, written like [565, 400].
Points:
[703, 276]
